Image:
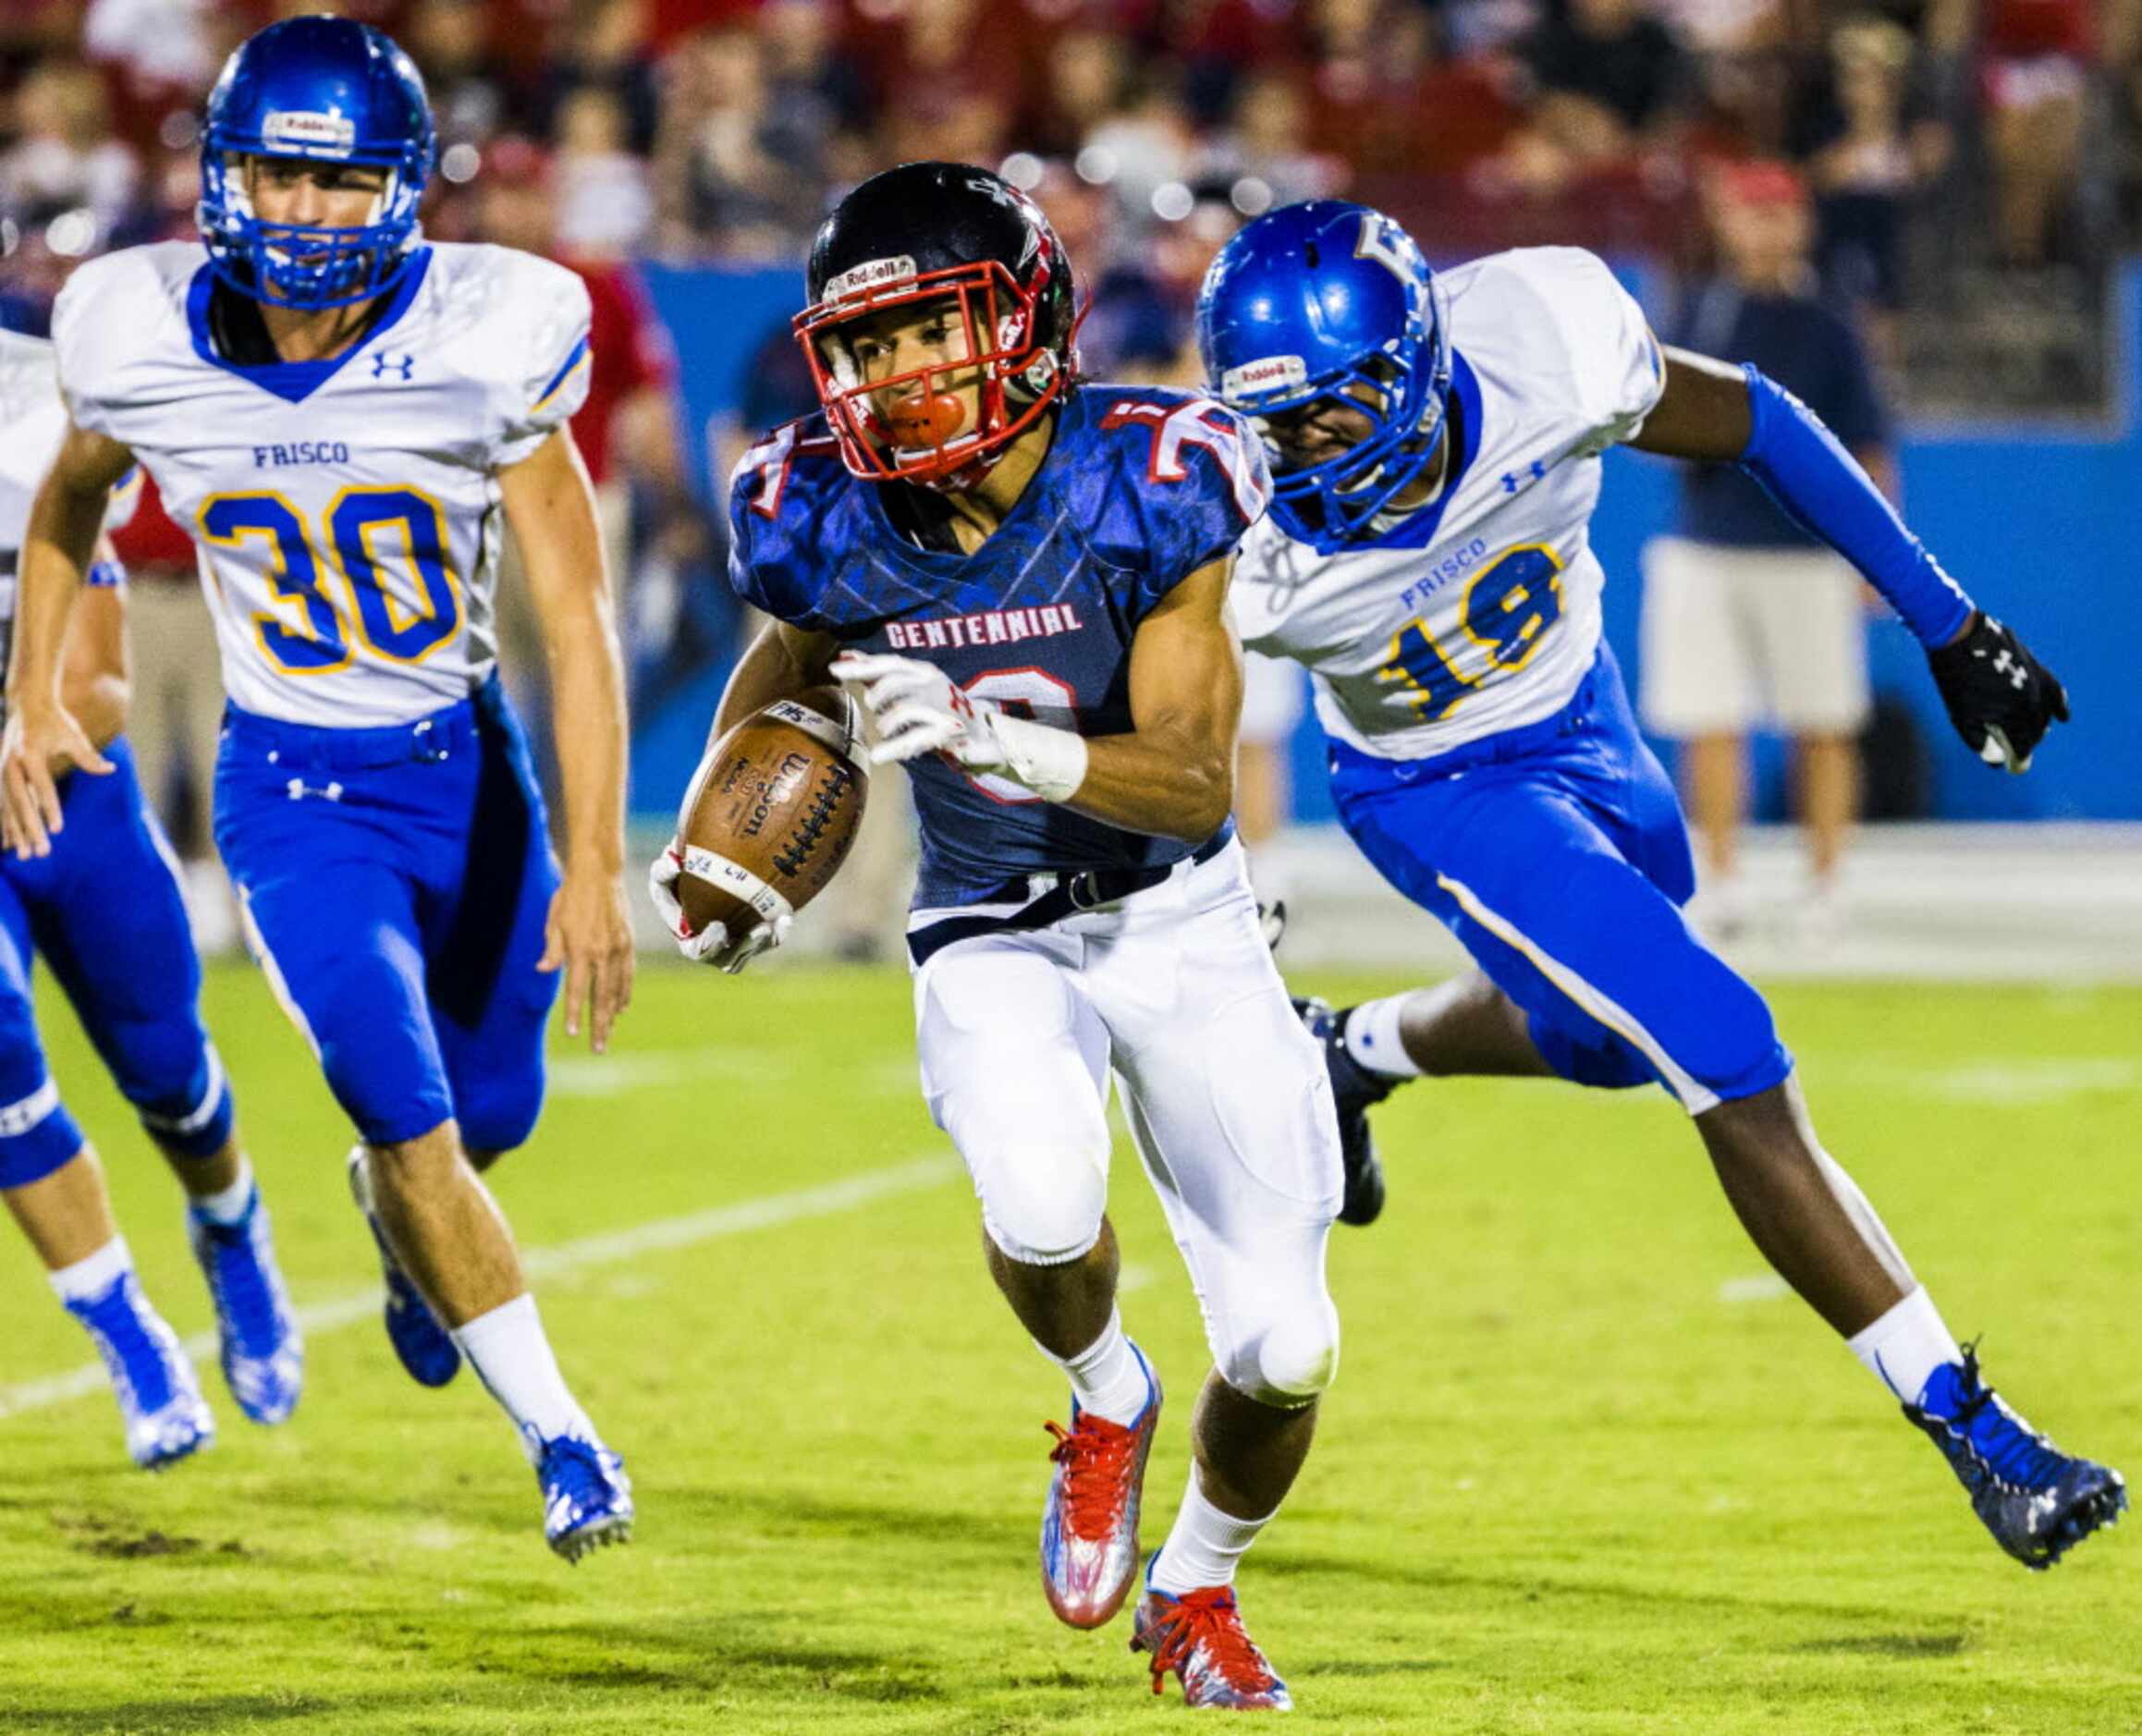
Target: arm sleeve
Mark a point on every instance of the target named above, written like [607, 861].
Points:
[551, 357]
[1807, 471]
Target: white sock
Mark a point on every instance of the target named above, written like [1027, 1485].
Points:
[1204, 1545]
[90, 1276]
[231, 1203]
[509, 1353]
[1106, 1377]
[1902, 1348]
[1372, 1038]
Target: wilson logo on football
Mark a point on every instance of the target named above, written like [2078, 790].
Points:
[1268, 375]
[310, 131]
[873, 274]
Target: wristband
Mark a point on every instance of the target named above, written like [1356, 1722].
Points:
[1050, 762]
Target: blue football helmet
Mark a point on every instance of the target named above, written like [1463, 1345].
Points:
[1303, 303]
[327, 89]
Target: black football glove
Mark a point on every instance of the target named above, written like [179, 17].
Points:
[2000, 698]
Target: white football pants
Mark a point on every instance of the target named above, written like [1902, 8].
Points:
[1224, 1091]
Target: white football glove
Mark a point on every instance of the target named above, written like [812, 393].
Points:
[918, 709]
[710, 944]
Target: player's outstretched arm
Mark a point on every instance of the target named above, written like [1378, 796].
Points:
[550, 506]
[41, 735]
[1172, 775]
[2000, 697]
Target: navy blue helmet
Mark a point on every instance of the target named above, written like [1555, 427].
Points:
[326, 90]
[1304, 302]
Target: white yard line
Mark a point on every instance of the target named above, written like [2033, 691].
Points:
[612, 1248]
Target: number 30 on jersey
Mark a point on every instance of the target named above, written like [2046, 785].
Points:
[1503, 619]
[403, 603]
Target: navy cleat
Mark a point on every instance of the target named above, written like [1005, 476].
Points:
[263, 1354]
[165, 1416]
[425, 1347]
[1353, 1088]
[587, 1498]
[2037, 1502]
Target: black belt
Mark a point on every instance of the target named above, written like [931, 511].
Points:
[1070, 895]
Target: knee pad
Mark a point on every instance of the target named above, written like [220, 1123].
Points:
[498, 1113]
[1042, 1199]
[1285, 1360]
[1647, 999]
[37, 1136]
[189, 1113]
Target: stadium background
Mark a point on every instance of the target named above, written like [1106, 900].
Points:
[1974, 164]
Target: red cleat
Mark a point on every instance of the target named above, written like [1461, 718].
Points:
[1089, 1529]
[1200, 1636]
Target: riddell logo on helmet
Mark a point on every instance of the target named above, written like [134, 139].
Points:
[1269, 374]
[873, 274]
[309, 131]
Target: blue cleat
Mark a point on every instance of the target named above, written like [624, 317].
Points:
[587, 1498]
[1200, 1639]
[2037, 1502]
[263, 1354]
[159, 1397]
[425, 1347]
[1355, 1090]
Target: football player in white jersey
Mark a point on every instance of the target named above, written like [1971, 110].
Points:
[341, 415]
[1436, 441]
[136, 986]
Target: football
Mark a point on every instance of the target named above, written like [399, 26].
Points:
[770, 817]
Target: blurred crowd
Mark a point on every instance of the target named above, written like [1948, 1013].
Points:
[1892, 157]
[687, 130]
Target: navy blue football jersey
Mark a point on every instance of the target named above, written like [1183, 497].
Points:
[1141, 486]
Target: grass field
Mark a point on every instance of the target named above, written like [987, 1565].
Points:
[1582, 1470]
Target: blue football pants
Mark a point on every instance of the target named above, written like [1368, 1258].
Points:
[1557, 855]
[104, 911]
[396, 884]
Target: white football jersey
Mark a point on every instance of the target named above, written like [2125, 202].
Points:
[345, 512]
[33, 419]
[1480, 612]
[34, 422]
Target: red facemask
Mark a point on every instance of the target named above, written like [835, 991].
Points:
[919, 436]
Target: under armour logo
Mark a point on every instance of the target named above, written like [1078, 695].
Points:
[383, 364]
[2018, 677]
[1513, 481]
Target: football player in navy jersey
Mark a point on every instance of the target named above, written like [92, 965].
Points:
[1025, 576]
